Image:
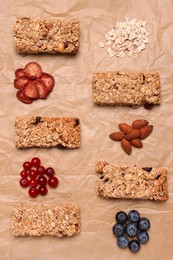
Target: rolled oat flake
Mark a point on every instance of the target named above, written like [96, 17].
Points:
[126, 38]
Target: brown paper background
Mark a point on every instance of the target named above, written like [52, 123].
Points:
[72, 97]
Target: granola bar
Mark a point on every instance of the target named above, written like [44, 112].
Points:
[61, 132]
[30, 219]
[133, 182]
[32, 36]
[126, 88]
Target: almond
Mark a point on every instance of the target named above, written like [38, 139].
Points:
[135, 133]
[137, 143]
[126, 145]
[117, 136]
[125, 128]
[139, 123]
[146, 131]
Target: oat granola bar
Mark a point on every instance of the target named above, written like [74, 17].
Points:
[60, 132]
[126, 88]
[30, 219]
[32, 36]
[133, 182]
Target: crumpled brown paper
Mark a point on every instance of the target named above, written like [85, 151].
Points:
[72, 96]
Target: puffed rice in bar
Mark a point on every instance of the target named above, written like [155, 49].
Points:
[33, 36]
[30, 219]
[123, 182]
[126, 88]
[36, 131]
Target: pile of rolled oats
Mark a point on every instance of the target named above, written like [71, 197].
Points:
[128, 37]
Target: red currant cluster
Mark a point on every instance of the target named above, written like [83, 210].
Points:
[36, 177]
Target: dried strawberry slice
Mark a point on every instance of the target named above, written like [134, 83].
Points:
[41, 88]
[20, 95]
[48, 80]
[19, 73]
[21, 82]
[30, 90]
[33, 70]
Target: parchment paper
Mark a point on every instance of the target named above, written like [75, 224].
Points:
[72, 97]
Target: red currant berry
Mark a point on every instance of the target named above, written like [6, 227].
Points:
[33, 192]
[32, 174]
[40, 170]
[24, 182]
[42, 190]
[53, 182]
[35, 161]
[33, 182]
[27, 165]
[24, 174]
[49, 172]
[42, 180]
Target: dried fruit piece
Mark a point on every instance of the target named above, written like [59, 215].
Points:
[117, 136]
[33, 70]
[125, 128]
[48, 80]
[19, 73]
[135, 133]
[147, 169]
[148, 106]
[41, 88]
[146, 131]
[139, 123]
[137, 143]
[20, 95]
[20, 83]
[30, 90]
[126, 145]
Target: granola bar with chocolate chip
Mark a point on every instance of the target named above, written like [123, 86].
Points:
[30, 219]
[123, 182]
[33, 36]
[36, 131]
[126, 88]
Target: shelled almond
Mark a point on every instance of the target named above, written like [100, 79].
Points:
[131, 135]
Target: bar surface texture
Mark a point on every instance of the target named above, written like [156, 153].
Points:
[29, 219]
[126, 88]
[36, 131]
[32, 36]
[131, 182]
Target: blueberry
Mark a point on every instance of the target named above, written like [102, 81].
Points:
[143, 237]
[144, 224]
[122, 241]
[118, 230]
[121, 217]
[133, 216]
[131, 229]
[134, 246]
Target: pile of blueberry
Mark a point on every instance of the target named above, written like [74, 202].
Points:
[131, 226]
